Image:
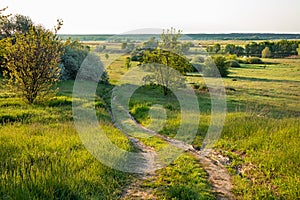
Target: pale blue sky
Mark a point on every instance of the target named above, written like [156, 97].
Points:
[192, 16]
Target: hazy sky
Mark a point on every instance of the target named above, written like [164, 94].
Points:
[192, 16]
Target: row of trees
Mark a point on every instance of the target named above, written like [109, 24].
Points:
[275, 49]
[33, 59]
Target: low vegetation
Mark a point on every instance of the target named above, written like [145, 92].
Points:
[42, 157]
[261, 133]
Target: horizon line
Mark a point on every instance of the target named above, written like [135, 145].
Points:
[211, 33]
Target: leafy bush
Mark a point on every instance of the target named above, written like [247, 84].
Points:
[93, 69]
[140, 112]
[214, 66]
[231, 57]
[72, 59]
[254, 60]
[32, 63]
[232, 63]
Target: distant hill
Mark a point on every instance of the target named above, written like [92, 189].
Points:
[202, 36]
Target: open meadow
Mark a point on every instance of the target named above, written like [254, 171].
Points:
[42, 156]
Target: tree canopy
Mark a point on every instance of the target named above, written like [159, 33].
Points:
[168, 54]
[32, 62]
[71, 60]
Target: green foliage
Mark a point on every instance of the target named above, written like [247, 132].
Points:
[231, 57]
[152, 43]
[266, 53]
[213, 49]
[16, 24]
[216, 48]
[10, 25]
[140, 112]
[92, 69]
[254, 60]
[279, 49]
[3, 51]
[168, 58]
[264, 150]
[42, 156]
[169, 40]
[185, 47]
[170, 55]
[214, 66]
[233, 49]
[232, 63]
[298, 50]
[32, 63]
[71, 60]
[158, 62]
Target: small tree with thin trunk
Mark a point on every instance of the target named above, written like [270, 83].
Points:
[32, 63]
[266, 53]
[168, 54]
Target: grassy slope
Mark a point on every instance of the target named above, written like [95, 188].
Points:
[261, 134]
[42, 156]
[182, 179]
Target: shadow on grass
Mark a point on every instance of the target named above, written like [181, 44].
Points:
[261, 79]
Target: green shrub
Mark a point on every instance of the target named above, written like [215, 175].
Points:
[232, 63]
[215, 66]
[254, 60]
[74, 55]
[140, 112]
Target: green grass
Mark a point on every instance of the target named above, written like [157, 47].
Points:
[42, 156]
[183, 179]
[261, 134]
[268, 151]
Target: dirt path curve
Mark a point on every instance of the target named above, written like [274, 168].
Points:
[213, 163]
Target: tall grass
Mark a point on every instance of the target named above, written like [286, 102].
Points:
[261, 134]
[42, 157]
[264, 153]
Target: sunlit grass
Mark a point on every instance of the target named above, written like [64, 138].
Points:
[42, 156]
[261, 134]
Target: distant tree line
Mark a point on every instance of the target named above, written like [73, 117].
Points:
[271, 49]
[144, 37]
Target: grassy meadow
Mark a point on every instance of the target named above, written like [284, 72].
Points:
[262, 129]
[42, 156]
